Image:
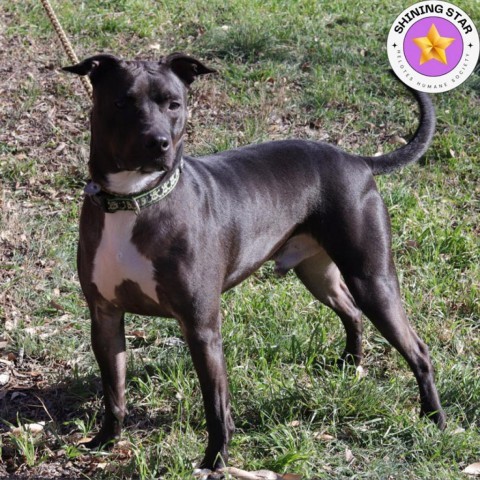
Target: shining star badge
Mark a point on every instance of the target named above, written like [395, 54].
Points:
[433, 46]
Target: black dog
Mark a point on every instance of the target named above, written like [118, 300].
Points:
[163, 234]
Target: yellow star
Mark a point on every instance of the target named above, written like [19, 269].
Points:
[433, 46]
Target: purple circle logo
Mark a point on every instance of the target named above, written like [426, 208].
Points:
[433, 46]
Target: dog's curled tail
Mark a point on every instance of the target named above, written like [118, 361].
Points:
[418, 145]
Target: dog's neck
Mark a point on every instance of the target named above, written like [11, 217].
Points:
[130, 182]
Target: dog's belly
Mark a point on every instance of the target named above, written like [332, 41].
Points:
[118, 262]
[297, 249]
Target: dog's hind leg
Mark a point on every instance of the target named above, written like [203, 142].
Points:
[379, 298]
[322, 278]
[359, 241]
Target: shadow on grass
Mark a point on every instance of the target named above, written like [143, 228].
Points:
[67, 402]
[71, 409]
[61, 402]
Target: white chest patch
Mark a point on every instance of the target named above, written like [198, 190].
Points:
[130, 182]
[117, 259]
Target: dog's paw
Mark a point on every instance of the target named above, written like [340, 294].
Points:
[438, 417]
[349, 359]
[101, 441]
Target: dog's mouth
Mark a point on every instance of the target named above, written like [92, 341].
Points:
[161, 169]
[155, 165]
[147, 170]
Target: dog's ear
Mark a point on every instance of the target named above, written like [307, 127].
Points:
[186, 68]
[93, 66]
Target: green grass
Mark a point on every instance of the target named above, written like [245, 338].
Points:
[306, 69]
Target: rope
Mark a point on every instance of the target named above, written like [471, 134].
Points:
[65, 42]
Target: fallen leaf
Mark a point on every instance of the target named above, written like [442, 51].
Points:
[349, 455]
[138, 333]
[397, 139]
[257, 475]
[473, 469]
[48, 334]
[360, 372]
[33, 428]
[4, 379]
[179, 396]
[27, 374]
[323, 436]
[61, 147]
[10, 325]
[124, 444]
[56, 306]
[171, 342]
[84, 440]
[11, 357]
[31, 330]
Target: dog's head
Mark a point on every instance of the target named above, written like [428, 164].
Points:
[139, 111]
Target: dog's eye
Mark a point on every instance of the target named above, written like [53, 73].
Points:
[174, 106]
[121, 102]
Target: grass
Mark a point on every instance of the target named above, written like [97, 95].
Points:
[304, 69]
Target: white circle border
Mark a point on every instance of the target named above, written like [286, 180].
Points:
[442, 83]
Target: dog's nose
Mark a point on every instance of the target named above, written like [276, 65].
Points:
[158, 142]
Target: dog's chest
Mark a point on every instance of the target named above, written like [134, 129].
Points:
[118, 260]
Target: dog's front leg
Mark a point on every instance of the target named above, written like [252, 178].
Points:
[203, 336]
[108, 342]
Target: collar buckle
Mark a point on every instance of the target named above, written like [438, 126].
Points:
[136, 206]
